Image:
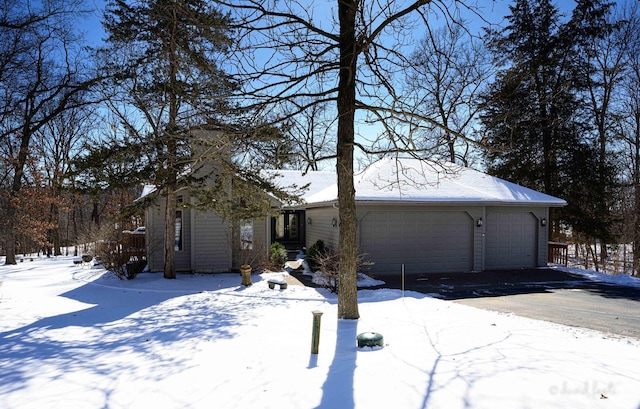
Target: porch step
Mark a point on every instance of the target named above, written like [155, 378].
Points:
[292, 254]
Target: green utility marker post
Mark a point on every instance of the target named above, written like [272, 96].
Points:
[315, 334]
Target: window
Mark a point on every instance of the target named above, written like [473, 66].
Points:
[178, 238]
[246, 235]
[279, 227]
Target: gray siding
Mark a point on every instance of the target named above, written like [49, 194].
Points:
[155, 235]
[211, 249]
[321, 227]
[154, 216]
[205, 240]
[543, 236]
[183, 256]
[260, 253]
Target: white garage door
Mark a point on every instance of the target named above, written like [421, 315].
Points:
[511, 239]
[423, 241]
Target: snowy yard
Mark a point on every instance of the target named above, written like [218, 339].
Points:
[76, 337]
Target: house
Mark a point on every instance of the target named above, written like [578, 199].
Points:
[426, 216]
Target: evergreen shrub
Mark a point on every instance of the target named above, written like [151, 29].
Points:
[277, 255]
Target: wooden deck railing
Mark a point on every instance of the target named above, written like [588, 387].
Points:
[134, 245]
[558, 253]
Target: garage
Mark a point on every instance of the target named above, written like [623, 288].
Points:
[511, 239]
[430, 216]
[424, 241]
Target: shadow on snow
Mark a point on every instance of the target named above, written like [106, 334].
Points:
[120, 322]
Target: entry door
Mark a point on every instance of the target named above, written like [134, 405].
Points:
[287, 228]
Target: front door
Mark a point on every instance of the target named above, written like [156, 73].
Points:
[288, 228]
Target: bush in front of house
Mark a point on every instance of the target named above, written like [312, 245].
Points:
[325, 265]
[315, 254]
[277, 255]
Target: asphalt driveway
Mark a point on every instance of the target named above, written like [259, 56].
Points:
[602, 309]
[544, 294]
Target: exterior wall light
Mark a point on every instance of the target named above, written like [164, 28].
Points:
[334, 222]
[543, 221]
[479, 222]
[308, 220]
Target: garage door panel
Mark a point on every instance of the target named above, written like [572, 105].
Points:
[422, 241]
[511, 239]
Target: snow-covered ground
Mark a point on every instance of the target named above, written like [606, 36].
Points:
[77, 337]
[619, 279]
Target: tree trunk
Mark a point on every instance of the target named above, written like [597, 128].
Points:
[54, 232]
[16, 186]
[95, 212]
[636, 218]
[75, 229]
[10, 238]
[171, 158]
[347, 276]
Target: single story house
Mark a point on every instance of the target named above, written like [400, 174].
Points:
[426, 216]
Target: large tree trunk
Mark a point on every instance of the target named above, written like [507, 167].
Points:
[347, 277]
[171, 158]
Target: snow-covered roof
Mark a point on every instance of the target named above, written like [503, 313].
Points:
[414, 180]
[410, 180]
[288, 180]
[147, 190]
[316, 181]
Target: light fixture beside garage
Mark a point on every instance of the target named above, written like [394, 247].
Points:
[479, 222]
[334, 222]
[308, 220]
[543, 221]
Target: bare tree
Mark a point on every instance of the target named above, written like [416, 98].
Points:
[630, 124]
[310, 132]
[44, 73]
[603, 73]
[57, 144]
[347, 55]
[448, 69]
